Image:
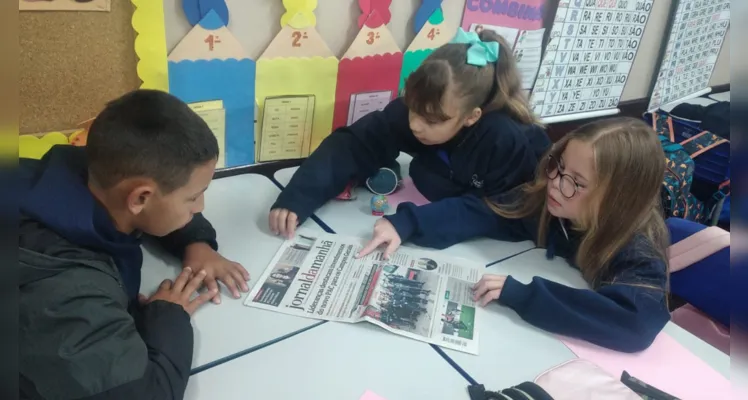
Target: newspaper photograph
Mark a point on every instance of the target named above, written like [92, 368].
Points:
[414, 293]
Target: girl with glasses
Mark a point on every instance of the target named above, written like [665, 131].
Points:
[594, 201]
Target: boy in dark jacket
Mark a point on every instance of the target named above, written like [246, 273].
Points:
[84, 331]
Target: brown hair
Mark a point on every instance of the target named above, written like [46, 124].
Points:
[625, 197]
[446, 69]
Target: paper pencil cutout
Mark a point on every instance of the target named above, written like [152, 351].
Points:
[369, 71]
[424, 12]
[296, 78]
[432, 35]
[196, 10]
[209, 64]
[150, 44]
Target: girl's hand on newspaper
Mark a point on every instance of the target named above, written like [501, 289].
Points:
[384, 233]
[488, 289]
[283, 222]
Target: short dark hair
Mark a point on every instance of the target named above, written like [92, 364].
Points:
[148, 133]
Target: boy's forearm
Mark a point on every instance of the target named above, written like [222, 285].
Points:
[199, 230]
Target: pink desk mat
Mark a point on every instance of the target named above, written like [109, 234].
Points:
[406, 193]
[666, 365]
[369, 395]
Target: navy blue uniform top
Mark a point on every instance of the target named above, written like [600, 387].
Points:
[55, 193]
[494, 155]
[625, 310]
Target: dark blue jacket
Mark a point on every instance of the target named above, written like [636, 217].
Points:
[618, 313]
[494, 155]
[54, 192]
[82, 334]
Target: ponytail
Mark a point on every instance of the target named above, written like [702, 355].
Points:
[509, 96]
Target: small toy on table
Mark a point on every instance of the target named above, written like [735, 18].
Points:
[379, 205]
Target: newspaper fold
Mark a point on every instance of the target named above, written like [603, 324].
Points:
[417, 294]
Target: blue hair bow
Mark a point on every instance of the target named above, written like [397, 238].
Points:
[479, 53]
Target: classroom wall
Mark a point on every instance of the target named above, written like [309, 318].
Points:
[255, 23]
[73, 62]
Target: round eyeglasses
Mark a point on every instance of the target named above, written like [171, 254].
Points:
[568, 185]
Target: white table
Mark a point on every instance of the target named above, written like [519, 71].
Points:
[513, 351]
[238, 208]
[724, 96]
[353, 218]
[334, 361]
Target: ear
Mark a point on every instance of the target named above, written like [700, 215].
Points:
[473, 116]
[139, 196]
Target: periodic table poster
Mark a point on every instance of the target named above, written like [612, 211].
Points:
[591, 50]
[696, 35]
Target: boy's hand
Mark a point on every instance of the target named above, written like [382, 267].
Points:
[384, 233]
[283, 222]
[201, 257]
[488, 289]
[180, 291]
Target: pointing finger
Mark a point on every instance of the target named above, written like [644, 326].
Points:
[371, 246]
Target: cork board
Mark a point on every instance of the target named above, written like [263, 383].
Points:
[72, 63]
[64, 5]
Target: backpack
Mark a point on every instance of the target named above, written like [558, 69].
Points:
[699, 265]
[677, 197]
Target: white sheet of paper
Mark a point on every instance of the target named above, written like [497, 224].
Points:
[364, 103]
[694, 44]
[528, 51]
[589, 56]
[286, 127]
[213, 113]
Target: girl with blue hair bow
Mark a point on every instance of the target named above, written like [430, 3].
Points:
[463, 118]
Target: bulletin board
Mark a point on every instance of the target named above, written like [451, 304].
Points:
[72, 63]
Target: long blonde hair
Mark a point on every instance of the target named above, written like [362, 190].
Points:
[447, 68]
[624, 201]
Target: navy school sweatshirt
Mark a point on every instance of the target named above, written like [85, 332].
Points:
[55, 193]
[494, 155]
[618, 313]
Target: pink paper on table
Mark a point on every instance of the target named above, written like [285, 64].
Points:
[406, 193]
[369, 395]
[666, 365]
[517, 14]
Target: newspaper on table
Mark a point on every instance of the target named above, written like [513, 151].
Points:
[415, 293]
